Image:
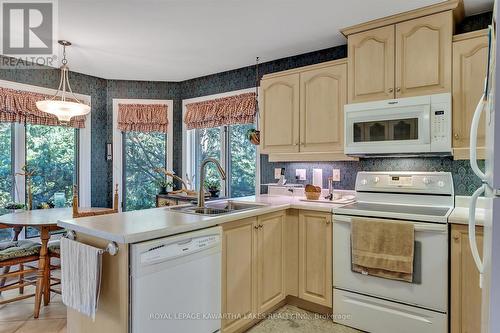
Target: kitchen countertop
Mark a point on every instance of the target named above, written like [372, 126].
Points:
[142, 225]
[460, 214]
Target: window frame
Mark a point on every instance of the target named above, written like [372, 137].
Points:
[189, 143]
[118, 142]
[83, 148]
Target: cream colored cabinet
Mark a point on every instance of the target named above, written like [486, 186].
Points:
[239, 273]
[405, 59]
[302, 113]
[371, 65]
[270, 260]
[280, 114]
[470, 58]
[253, 268]
[315, 257]
[322, 98]
[423, 55]
[465, 314]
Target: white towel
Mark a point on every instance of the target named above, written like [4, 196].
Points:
[81, 267]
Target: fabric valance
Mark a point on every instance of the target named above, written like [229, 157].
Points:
[20, 106]
[239, 109]
[143, 117]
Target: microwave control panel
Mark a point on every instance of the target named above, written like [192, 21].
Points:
[441, 126]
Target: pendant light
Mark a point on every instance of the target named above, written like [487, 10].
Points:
[64, 104]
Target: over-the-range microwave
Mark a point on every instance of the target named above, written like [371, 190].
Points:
[405, 126]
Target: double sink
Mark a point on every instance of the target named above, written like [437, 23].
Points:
[218, 207]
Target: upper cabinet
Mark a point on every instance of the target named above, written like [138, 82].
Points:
[302, 113]
[399, 60]
[470, 57]
[423, 55]
[371, 55]
[280, 114]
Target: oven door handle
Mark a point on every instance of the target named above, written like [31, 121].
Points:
[421, 227]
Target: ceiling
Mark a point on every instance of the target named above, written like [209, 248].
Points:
[175, 40]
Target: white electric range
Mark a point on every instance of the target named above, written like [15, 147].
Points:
[378, 305]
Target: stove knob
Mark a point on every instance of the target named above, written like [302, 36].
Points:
[376, 180]
[364, 182]
[426, 181]
[440, 183]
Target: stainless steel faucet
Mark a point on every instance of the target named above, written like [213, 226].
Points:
[330, 189]
[201, 192]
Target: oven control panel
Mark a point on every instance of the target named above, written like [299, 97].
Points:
[405, 182]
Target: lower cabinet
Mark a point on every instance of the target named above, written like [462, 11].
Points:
[315, 257]
[253, 268]
[465, 314]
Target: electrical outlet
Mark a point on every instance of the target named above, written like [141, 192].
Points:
[277, 173]
[336, 175]
[300, 174]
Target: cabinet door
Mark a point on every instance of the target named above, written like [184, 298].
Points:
[322, 99]
[239, 286]
[423, 55]
[315, 257]
[470, 58]
[465, 291]
[280, 114]
[271, 261]
[371, 65]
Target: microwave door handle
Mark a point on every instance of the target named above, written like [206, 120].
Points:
[472, 233]
[473, 138]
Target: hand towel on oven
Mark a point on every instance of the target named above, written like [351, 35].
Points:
[81, 267]
[383, 248]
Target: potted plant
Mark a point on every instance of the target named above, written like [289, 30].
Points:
[163, 185]
[213, 187]
[13, 206]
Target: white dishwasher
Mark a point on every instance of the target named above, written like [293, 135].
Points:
[176, 283]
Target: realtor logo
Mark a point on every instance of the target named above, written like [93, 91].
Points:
[27, 27]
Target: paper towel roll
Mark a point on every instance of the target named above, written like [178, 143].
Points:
[318, 177]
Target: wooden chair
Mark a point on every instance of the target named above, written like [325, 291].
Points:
[18, 254]
[55, 246]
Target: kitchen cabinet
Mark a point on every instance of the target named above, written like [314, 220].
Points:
[239, 273]
[470, 58]
[253, 268]
[408, 58]
[322, 98]
[280, 114]
[270, 260]
[371, 65]
[423, 55]
[465, 313]
[315, 257]
[302, 112]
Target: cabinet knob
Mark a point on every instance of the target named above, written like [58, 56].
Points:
[398, 89]
[328, 221]
[457, 136]
[256, 227]
[391, 90]
[456, 238]
[260, 226]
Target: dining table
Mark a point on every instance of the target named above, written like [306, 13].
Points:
[45, 220]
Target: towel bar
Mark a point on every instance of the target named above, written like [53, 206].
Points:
[111, 248]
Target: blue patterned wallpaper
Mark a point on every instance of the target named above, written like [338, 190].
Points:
[465, 181]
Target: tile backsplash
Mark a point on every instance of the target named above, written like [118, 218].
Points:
[465, 181]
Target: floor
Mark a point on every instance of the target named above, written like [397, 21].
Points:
[17, 317]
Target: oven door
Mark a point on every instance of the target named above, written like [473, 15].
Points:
[430, 286]
[388, 129]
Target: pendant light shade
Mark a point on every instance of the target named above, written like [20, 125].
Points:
[64, 104]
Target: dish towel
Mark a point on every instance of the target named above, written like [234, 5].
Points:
[81, 267]
[383, 248]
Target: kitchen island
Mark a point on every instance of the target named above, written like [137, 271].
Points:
[139, 226]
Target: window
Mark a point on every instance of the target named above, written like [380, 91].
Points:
[143, 153]
[237, 155]
[6, 186]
